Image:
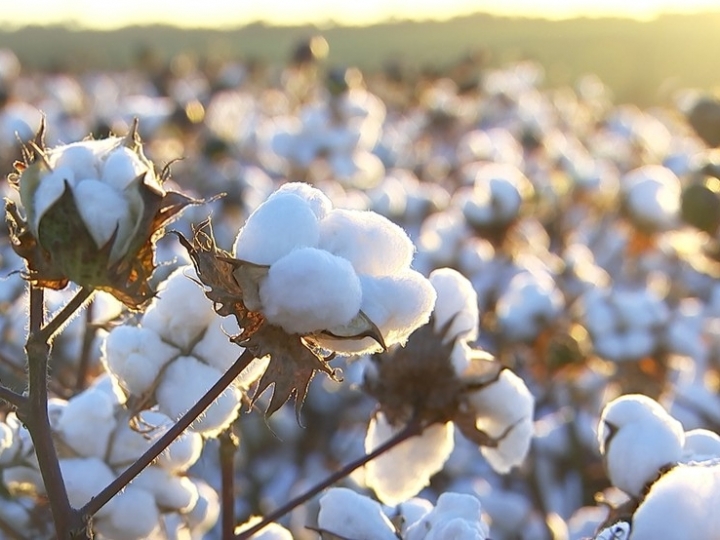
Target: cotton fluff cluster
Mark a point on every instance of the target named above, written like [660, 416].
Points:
[99, 442]
[350, 515]
[176, 353]
[499, 403]
[327, 265]
[104, 177]
[623, 322]
[651, 196]
[674, 475]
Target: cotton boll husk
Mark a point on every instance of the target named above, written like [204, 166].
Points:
[310, 290]
[373, 244]
[170, 491]
[215, 347]
[637, 437]
[181, 312]
[184, 382]
[202, 517]
[134, 515]
[678, 505]
[134, 356]
[87, 422]
[456, 300]
[49, 190]
[272, 531]
[84, 479]
[121, 167]
[281, 224]
[400, 473]
[455, 516]
[351, 515]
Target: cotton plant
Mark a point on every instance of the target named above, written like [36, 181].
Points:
[347, 514]
[670, 475]
[304, 278]
[439, 383]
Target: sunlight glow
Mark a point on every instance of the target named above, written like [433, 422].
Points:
[228, 13]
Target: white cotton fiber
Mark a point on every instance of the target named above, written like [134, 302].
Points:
[135, 356]
[84, 478]
[80, 157]
[134, 515]
[181, 312]
[103, 210]
[637, 437]
[400, 473]
[215, 347]
[455, 515]
[87, 422]
[316, 199]
[371, 242]
[121, 167]
[351, 515]
[281, 224]
[310, 290]
[170, 491]
[456, 301]
[184, 382]
[49, 190]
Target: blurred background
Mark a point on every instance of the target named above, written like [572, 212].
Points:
[643, 51]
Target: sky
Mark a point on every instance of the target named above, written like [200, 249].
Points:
[228, 13]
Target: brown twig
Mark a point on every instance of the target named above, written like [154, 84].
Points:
[412, 429]
[102, 498]
[228, 447]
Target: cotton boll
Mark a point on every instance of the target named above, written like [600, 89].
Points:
[637, 438]
[272, 531]
[135, 356]
[455, 516]
[108, 385]
[203, 516]
[87, 422]
[412, 511]
[176, 493]
[310, 290]
[281, 224]
[215, 347]
[134, 515]
[84, 479]
[316, 199]
[182, 453]
[529, 303]
[373, 244]
[676, 507]
[78, 157]
[23, 479]
[400, 473]
[184, 382]
[130, 441]
[121, 167]
[456, 301]
[351, 515]
[181, 312]
[701, 445]
[652, 195]
[103, 210]
[511, 449]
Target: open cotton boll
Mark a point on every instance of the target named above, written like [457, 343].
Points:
[456, 301]
[181, 312]
[87, 422]
[502, 403]
[281, 224]
[371, 242]
[529, 303]
[84, 478]
[121, 167]
[637, 437]
[700, 445]
[400, 473]
[412, 511]
[512, 449]
[134, 515]
[652, 195]
[202, 517]
[215, 347]
[272, 531]
[319, 203]
[80, 157]
[170, 491]
[351, 515]
[309, 290]
[182, 453]
[103, 210]
[184, 382]
[678, 505]
[135, 356]
[455, 516]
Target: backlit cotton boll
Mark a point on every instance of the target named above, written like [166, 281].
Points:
[134, 515]
[455, 516]
[456, 302]
[309, 290]
[652, 197]
[86, 423]
[351, 515]
[637, 438]
[400, 473]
